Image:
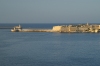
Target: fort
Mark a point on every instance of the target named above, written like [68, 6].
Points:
[80, 28]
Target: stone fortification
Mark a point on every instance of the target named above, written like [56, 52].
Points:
[77, 28]
[57, 28]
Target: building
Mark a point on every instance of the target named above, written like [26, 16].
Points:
[77, 28]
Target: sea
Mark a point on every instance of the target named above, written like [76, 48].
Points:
[48, 49]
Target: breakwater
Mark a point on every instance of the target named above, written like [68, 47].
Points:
[86, 28]
[19, 29]
[36, 30]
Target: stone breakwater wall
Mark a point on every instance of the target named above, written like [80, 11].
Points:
[19, 29]
[36, 30]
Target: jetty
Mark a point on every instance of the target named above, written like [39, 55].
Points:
[80, 28]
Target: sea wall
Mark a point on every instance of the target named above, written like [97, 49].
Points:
[36, 30]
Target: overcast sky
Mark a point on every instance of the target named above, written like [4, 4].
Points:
[49, 11]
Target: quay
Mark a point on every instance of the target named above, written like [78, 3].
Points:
[80, 28]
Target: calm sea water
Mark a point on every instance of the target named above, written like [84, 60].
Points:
[48, 49]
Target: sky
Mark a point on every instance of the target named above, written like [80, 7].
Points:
[49, 11]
